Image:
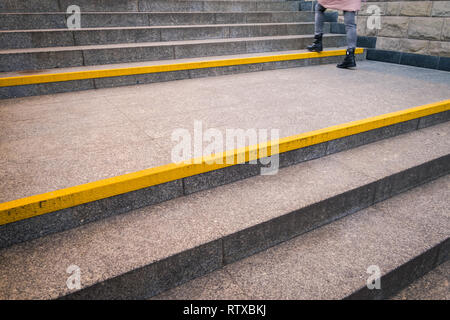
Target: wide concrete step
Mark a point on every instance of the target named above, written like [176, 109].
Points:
[18, 39]
[397, 240]
[63, 57]
[147, 251]
[54, 182]
[50, 81]
[148, 5]
[27, 21]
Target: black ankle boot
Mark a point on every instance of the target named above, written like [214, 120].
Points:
[317, 44]
[349, 60]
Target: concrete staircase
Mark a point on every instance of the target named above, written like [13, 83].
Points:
[35, 39]
[86, 188]
[324, 234]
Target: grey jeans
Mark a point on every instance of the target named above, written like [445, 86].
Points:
[349, 20]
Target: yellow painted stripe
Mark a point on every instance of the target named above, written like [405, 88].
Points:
[52, 201]
[117, 72]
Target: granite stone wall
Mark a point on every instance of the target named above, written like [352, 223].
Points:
[421, 27]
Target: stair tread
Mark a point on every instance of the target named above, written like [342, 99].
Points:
[160, 27]
[113, 246]
[48, 140]
[149, 63]
[331, 262]
[157, 12]
[158, 44]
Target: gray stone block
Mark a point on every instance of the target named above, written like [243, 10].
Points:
[141, 79]
[220, 177]
[102, 5]
[38, 226]
[46, 88]
[209, 49]
[286, 64]
[95, 37]
[127, 54]
[124, 19]
[224, 6]
[210, 32]
[22, 21]
[29, 6]
[40, 60]
[157, 277]
[359, 139]
[277, 6]
[220, 71]
[18, 40]
[434, 119]
[171, 6]
[304, 154]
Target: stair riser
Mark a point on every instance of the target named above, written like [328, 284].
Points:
[148, 5]
[173, 271]
[76, 58]
[401, 277]
[243, 244]
[42, 39]
[95, 20]
[89, 84]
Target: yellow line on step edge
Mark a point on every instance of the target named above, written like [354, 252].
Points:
[60, 199]
[117, 72]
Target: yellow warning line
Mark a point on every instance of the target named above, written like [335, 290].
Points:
[60, 199]
[117, 72]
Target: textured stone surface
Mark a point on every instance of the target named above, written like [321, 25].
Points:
[393, 8]
[432, 286]
[446, 30]
[331, 262]
[359, 139]
[394, 27]
[73, 217]
[441, 9]
[384, 43]
[46, 58]
[172, 242]
[416, 8]
[425, 28]
[434, 119]
[129, 128]
[20, 21]
[415, 46]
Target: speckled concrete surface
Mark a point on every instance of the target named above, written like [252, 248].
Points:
[331, 262]
[118, 244]
[56, 141]
[432, 286]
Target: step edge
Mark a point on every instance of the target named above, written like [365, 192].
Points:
[37, 211]
[117, 72]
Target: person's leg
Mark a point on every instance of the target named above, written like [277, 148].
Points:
[319, 19]
[350, 29]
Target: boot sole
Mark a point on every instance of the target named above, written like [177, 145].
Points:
[347, 67]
